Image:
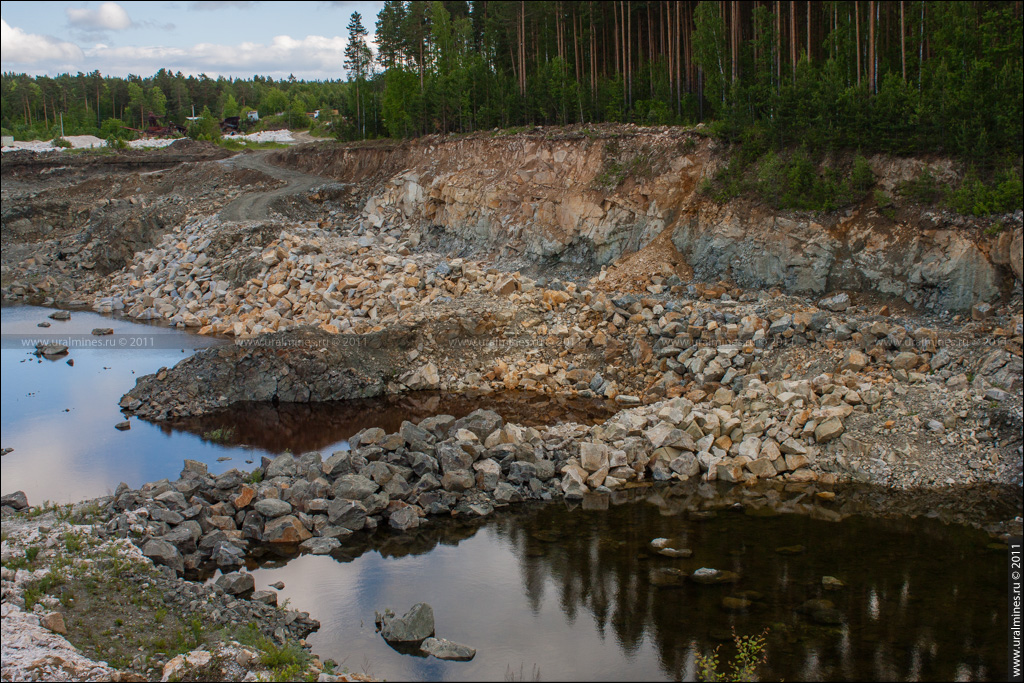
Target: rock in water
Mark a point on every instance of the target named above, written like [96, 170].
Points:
[236, 583]
[446, 649]
[17, 500]
[414, 627]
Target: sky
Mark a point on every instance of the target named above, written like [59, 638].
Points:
[231, 39]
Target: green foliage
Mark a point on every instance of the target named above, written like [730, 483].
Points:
[750, 654]
[446, 67]
[206, 128]
[977, 198]
[923, 189]
[255, 477]
[60, 142]
[861, 176]
[220, 435]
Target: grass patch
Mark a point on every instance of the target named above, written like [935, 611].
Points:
[220, 435]
[241, 145]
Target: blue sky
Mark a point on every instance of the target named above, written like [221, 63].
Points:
[238, 39]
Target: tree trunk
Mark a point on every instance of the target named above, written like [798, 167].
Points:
[856, 21]
[903, 42]
[872, 85]
[792, 38]
[778, 43]
[808, 31]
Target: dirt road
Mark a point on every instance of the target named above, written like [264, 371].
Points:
[256, 206]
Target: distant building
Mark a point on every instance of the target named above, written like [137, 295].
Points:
[252, 115]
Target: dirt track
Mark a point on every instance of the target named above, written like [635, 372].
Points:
[256, 205]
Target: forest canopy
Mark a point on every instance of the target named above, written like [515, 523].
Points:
[895, 77]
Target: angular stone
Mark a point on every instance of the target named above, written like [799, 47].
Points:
[828, 430]
[593, 456]
[287, 529]
[354, 487]
[404, 518]
[414, 626]
[320, 546]
[457, 481]
[854, 360]
[17, 500]
[762, 467]
[281, 466]
[54, 621]
[447, 650]
[236, 583]
[350, 514]
[272, 507]
[162, 552]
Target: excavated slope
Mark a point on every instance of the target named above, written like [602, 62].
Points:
[591, 197]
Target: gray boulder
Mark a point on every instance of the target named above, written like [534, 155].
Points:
[272, 508]
[414, 627]
[350, 514]
[236, 583]
[354, 487]
[162, 552]
[446, 649]
[17, 500]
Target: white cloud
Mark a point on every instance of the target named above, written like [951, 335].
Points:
[226, 4]
[317, 55]
[110, 16]
[19, 47]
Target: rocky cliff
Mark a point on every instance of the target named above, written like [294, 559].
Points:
[590, 196]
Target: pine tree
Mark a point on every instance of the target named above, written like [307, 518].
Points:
[358, 59]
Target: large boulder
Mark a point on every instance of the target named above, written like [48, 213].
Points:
[162, 552]
[414, 626]
[236, 583]
[446, 649]
[286, 529]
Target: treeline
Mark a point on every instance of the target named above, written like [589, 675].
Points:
[94, 104]
[897, 77]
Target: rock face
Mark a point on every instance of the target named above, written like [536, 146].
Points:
[414, 626]
[568, 214]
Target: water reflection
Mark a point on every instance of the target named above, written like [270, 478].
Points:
[302, 427]
[570, 590]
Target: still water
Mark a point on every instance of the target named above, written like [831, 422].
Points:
[550, 591]
[566, 592]
[60, 418]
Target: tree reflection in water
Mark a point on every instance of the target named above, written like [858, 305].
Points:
[923, 600]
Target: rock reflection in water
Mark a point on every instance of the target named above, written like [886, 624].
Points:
[555, 586]
[303, 427]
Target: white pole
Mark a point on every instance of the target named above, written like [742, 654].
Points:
[62, 124]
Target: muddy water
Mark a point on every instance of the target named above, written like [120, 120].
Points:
[567, 593]
[60, 418]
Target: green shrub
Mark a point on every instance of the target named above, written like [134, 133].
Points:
[205, 128]
[924, 189]
[60, 142]
[974, 197]
[750, 654]
[861, 176]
